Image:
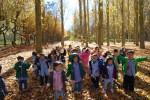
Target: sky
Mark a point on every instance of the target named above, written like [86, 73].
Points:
[70, 6]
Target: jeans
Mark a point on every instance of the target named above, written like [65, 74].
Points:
[43, 80]
[128, 83]
[107, 81]
[78, 86]
[95, 82]
[22, 85]
[58, 94]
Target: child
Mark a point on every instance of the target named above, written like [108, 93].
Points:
[57, 80]
[117, 62]
[109, 74]
[84, 56]
[75, 70]
[63, 54]
[21, 68]
[116, 57]
[3, 89]
[97, 50]
[69, 49]
[95, 66]
[129, 65]
[34, 56]
[35, 61]
[44, 68]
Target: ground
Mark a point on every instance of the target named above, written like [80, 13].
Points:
[35, 92]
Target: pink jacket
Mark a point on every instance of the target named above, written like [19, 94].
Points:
[84, 56]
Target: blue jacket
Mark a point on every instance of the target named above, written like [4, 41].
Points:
[100, 65]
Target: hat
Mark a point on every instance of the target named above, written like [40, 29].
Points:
[130, 52]
[56, 63]
[109, 58]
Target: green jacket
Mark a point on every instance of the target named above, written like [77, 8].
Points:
[21, 69]
[124, 62]
[70, 71]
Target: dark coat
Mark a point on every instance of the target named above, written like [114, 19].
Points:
[100, 65]
[105, 72]
[3, 90]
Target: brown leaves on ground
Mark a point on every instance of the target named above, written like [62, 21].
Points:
[35, 92]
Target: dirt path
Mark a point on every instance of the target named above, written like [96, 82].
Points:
[142, 88]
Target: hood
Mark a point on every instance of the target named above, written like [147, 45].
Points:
[71, 57]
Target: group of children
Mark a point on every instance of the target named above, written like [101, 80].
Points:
[101, 68]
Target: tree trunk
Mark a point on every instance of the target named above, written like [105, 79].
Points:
[88, 17]
[4, 37]
[118, 24]
[123, 26]
[62, 23]
[85, 22]
[100, 23]
[108, 34]
[141, 19]
[38, 26]
[95, 11]
[136, 2]
[80, 14]
[114, 23]
[15, 31]
[128, 32]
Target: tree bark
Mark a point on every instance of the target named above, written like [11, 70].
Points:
[80, 14]
[62, 23]
[88, 17]
[123, 26]
[85, 22]
[100, 23]
[95, 14]
[141, 19]
[136, 2]
[108, 34]
[114, 23]
[4, 37]
[38, 26]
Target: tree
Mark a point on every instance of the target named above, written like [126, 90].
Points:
[123, 24]
[100, 23]
[80, 14]
[108, 34]
[62, 22]
[85, 22]
[95, 20]
[3, 30]
[141, 20]
[88, 17]
[38, 26]
[114, 21]
[136, 19]
[128, 32]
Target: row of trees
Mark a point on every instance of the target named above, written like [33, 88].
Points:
[17, 22]
[114, 20]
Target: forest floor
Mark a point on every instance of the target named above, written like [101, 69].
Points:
[35, 92]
